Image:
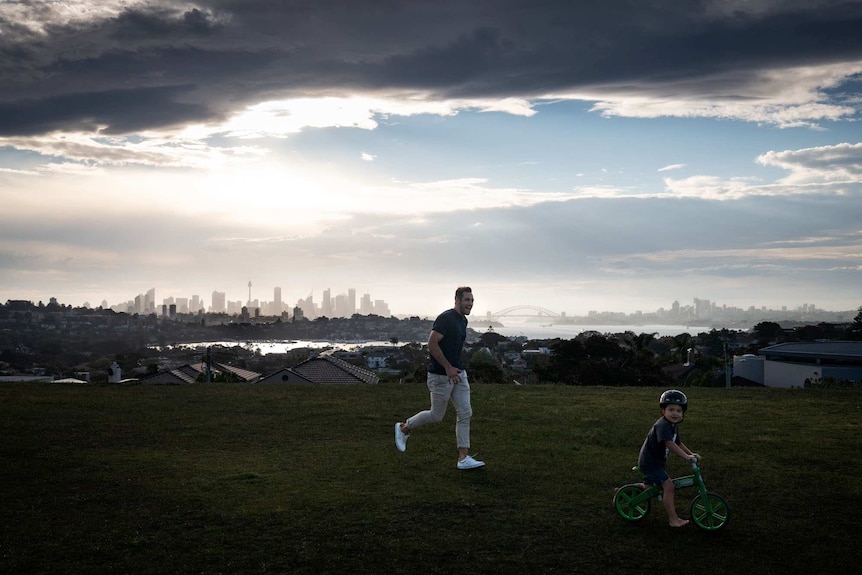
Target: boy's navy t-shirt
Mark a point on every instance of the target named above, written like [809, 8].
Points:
[453, 327]
[653, 454]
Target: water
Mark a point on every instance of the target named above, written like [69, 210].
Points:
[281, 346]
[530, 330]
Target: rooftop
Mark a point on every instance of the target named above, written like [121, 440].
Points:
[837, 350]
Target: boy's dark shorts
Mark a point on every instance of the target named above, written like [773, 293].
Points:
[655, 476]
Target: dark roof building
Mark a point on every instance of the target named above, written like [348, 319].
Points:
[798, 364]
[323, 369]
[190, 373]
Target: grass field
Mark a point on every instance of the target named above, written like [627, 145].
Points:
[234, 478]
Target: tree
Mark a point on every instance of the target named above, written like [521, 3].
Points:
[415, 363]
[682, 343]
[483, 368]
[768, 331]
[563, 365]
[491, 339]
[600, 348]
[639, 345]
[856, 326]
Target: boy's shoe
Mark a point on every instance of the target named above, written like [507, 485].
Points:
[400, 438]
[470, 463]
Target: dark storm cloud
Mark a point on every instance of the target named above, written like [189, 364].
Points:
[155, 65]
[135, 24]
[89, 112]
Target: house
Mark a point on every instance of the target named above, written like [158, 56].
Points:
[376, 361]
[191, 373]
[26, 378]
[798, 363]
[325, 369]
[70, 380]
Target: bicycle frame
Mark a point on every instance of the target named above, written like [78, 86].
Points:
[708, 510]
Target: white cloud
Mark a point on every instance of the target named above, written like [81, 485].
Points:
[837, 163]
[192, 146]
[671, 167]
[284, 117]
[788, 97]
[151, 149]
[832, 170]
[821, 256]
[454, 195]
[37, 16]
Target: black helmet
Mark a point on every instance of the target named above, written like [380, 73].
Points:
[674, 396]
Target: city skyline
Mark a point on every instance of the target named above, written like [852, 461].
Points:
[339, 305]
[344, 305]
[571, 155]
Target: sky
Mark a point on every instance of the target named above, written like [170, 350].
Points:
[575, 156]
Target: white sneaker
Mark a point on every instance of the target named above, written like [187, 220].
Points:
[400, 438]
[470, 463]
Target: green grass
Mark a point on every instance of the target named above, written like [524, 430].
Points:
[306, 479]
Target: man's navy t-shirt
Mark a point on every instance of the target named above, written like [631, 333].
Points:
[453, 327]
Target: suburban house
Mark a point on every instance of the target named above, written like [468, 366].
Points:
[191, 373]
[798, 364]
[325, 368]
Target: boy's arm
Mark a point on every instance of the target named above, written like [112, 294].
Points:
[689, 451]
[681, 450]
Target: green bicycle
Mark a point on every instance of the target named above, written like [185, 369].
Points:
[709, 511]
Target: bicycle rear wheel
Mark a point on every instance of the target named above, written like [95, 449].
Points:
[625, 505]
[710, 513]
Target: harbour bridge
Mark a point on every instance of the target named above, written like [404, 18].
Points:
[520, 311]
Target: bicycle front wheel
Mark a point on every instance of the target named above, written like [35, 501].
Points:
[710, 513]
[624, 502]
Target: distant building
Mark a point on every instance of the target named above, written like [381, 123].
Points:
[115, 374]
[365, 305]
[277, 305]
[800, 363]
[193, 372]
[749, 367]
[381, 308]
[218, 302]
[323, 369]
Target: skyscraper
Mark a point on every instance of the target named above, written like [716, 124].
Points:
[278, 307]
[365, 305]
[326, 304]
[218, 302]
[150, 301]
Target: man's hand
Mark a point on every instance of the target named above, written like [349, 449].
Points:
[454, 374]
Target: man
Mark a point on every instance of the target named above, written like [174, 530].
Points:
[447, 379]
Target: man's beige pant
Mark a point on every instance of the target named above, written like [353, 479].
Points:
[443, 391]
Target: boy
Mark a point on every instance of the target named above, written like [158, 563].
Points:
[662, 439]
